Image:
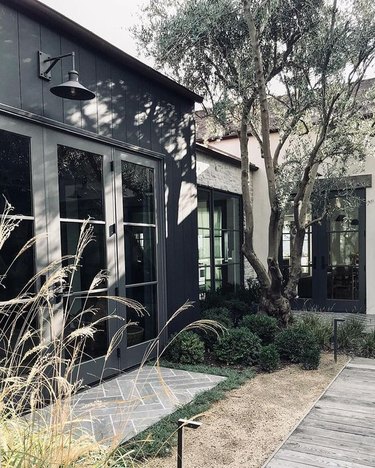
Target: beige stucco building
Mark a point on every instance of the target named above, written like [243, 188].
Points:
[338, 253]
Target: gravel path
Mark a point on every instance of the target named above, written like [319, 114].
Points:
[245, 428]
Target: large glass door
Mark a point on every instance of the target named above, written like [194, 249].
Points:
[341, 264]
[22, 250]
[80, 196]
[333, 259]
[140, 250]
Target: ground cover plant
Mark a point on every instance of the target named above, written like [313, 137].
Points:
[159, 439]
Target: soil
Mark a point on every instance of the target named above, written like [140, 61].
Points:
[244, 429]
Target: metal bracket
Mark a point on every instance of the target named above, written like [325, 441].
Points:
[44, 65]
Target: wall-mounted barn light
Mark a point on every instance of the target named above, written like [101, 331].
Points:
[71, 89]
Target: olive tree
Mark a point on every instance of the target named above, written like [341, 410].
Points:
[233, 52]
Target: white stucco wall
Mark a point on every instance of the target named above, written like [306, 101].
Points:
[370, 237]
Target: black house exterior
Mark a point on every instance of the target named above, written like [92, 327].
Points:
[125, 159]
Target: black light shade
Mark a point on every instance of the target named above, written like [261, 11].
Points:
[72, 89]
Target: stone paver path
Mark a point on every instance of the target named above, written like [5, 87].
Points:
[121, 407]
[340, 429]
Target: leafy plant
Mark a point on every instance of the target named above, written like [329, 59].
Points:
[368, 345]
[238, 310]
[262, 325]
[185, 348]
[350, 335]
[321, 328]
[311, 357]
[220, 315]
[293, 342]
[269, 358]
[238, 347]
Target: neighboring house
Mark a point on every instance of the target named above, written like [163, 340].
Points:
[124, 158]
[338, 258]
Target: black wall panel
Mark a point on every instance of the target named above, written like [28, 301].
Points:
[128, 107]
[9, 65]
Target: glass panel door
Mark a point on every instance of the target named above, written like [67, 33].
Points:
[20, 184]
[83, 197]
[140, 249]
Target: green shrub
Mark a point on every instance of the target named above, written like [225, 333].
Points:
[293, 342]
[212, 299]
[238, 346]
[238, 310]
[321, 328]
[350, 335]
[368, 345]
[269, 358]
[185, 348]
[219, 314]
[263, 326]
[311, 357]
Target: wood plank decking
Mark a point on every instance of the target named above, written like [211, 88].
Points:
[340, 429]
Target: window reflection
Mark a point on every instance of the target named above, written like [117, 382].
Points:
[15, 180]
[140, 254]
[219, 240]
[138, 193]
[80, 184]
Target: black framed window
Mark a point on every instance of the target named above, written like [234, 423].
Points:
[219, 240]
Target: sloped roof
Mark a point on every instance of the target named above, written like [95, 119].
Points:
[223, 155]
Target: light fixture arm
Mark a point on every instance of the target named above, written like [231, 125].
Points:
[70, 89]
[46, 63]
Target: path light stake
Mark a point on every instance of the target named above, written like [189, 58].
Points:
[180, 437]
[335, 322]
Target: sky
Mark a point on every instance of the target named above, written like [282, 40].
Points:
[109, 19]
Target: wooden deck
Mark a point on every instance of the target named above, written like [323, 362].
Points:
[340, 429]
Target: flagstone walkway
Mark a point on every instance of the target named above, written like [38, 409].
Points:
[122, 407]
[339, 431]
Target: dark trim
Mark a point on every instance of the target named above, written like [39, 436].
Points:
[213, 265]
[49, 123]
[355, 182]
[57, 21]
[227, 157]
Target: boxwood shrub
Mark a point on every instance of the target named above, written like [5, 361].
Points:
[269, 358]
[238, 346]
[293, 342]
[185, 348]
[262, 325]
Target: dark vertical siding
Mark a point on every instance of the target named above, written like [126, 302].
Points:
[129, 108]
[52, 105]
[87, 76]
[104, 97]
[9, 53]
[132, 108]
[29, 37]
[119, 108]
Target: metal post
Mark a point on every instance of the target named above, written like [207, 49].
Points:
[335, 322]
[182, 423]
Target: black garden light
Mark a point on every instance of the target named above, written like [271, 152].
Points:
[71, 89]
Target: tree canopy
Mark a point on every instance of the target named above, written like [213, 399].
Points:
[239, 54]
